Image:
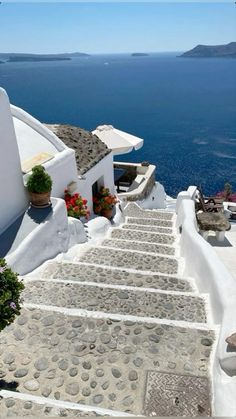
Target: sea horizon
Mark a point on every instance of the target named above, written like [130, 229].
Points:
[183, 108]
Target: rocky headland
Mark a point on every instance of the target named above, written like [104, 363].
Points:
[212, 51]
[16, 59]
[24, 57]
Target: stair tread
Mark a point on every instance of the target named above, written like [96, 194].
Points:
[152, 229]
[130, 259]
[143, 235]
[18, 408]
[81, 359]
[116, 301]
[149, 222]
[139, 246]
[134, 210]
[91, 273]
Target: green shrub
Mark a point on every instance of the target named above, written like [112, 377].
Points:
[10, 289]
[39, 181]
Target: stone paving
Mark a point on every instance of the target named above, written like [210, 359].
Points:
[14, 407]
[128, 259]
[152, 367]
[153, 222]
[94, 361]
[132, 210]
[90, 273]
[142, 236]
[154, 229]
[132, 245]
[119, 301]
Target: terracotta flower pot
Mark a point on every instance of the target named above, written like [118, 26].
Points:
[107, 213]
[40, 200]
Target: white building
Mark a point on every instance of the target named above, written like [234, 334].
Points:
[24, 143]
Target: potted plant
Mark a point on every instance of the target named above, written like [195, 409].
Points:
[104, 202]
[76, 205]
[10, 289]
[39, 185]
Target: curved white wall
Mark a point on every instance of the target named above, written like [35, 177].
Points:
[33, 137]
[13, 196]
[202, 263]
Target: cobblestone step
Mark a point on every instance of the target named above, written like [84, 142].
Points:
[116, 300]
[150, 222]
[141, 246]
[142, 236]
[130, 260]
[102, 363]
[133, 210]
[153, 229]
[16, 407]
[90, 273]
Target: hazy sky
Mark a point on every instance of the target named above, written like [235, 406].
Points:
[114, 27]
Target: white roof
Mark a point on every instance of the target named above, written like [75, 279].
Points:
[119, 142]
[31, 142]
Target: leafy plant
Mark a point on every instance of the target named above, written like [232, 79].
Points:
[10, 289]
[104, 200]
[76, 205]
[39, 181]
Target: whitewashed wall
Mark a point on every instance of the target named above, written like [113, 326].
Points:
[13, 197]
[33, 137]
[202, 263]
[46, 241]
[103, 171]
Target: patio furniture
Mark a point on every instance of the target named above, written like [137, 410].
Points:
[213, 221]
[231, 209]
[210, 204]
[118, 173]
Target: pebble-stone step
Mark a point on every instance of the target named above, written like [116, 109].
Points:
[144, 247]
[96, 362]
[13, 407]
[142, 236]
[116, 301]
[154, 229]
[90, 273]
[130, 259]
[133, 210]
[148, 222]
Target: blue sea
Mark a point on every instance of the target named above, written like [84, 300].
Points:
[184, 108]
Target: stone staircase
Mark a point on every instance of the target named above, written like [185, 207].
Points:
[118, 331]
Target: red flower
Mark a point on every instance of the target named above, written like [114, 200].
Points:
[76, 205]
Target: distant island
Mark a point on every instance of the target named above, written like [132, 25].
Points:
[139, 54]
[23, 57]
[208, 51]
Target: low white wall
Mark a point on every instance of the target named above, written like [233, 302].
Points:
[46, 241]
[63, 171]
[202, 263]
[148, 173]
[156, 199]
[104, 170]
[13, 196]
